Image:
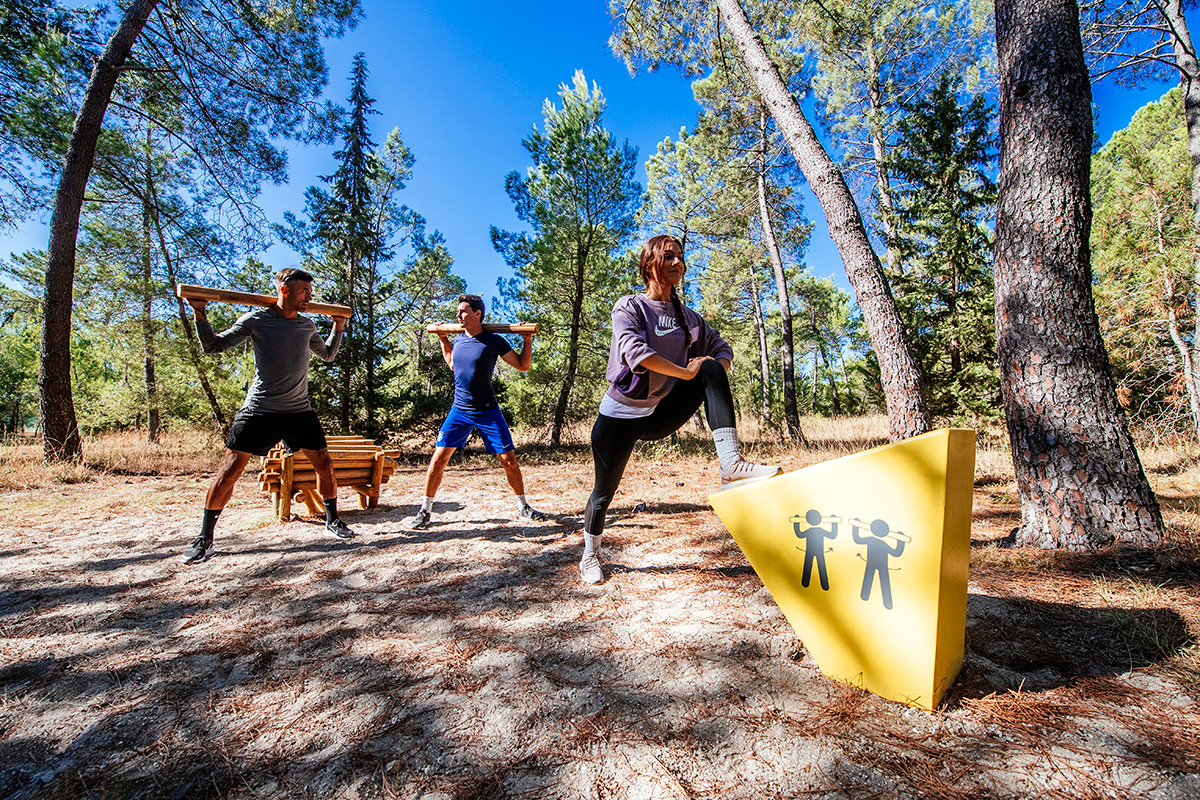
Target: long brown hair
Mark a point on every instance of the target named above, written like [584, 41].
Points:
[650, 262]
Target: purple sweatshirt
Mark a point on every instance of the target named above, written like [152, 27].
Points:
[642, 327]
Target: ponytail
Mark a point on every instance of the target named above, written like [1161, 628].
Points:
[681, 319]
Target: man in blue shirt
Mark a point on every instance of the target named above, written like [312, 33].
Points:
[472, 357]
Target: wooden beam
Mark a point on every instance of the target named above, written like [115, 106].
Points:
[506, 327]
[190, 292]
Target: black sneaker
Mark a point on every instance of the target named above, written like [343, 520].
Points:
[201, 550]
[420, 520]
[531, 513]
[339, 530]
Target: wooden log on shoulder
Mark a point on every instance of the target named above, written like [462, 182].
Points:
[190, 292]
[505, 327]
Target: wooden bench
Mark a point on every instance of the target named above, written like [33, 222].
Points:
[358, 463]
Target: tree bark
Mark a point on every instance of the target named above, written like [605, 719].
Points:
[60, 430]
[152, 406]
[185, 324]
[787, 352]
[564, 395]
[1078, 474]
[764, 361]
[908, 414]
[883, 181]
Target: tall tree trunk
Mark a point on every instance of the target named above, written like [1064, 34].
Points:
[349, 360]
[1078, 474]
[764, 361]
[371, 394]
[189, 334]
[899, 373]
[1189, 80]
[835, 401]
[787, 352]
[1187, 372]
[564, 394]
[60, 430]
[152, 410]
[883, 181]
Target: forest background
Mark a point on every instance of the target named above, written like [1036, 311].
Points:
[904, 95]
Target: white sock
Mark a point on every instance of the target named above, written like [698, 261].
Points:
[591, 545]
[427, 504]
[727, 447]
[521, 502]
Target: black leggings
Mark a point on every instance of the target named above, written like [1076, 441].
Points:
[613, 438]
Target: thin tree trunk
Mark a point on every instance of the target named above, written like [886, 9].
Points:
[189, 334]
[1189, 69]
[1078, 474]
[883, 181]
[835, 401]
[564, 394]
[152, 410]
[349, 361]
[816, 383]
[60, 430]
[900, 375]
[764, 361]
[371, 393]
[787, 352]
[1185, 357]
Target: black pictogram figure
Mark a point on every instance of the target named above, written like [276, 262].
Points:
[878, 550]
[814, 543]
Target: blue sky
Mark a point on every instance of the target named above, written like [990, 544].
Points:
[464, 82]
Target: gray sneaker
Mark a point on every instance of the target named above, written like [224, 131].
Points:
[743, 472]
[339, 530]
[201, 550]
[531, 513]
[589, 569]
[419, 521]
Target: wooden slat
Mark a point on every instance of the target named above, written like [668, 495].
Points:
[190, 292]
[498, 327]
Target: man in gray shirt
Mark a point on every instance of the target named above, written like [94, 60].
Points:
[276, 406]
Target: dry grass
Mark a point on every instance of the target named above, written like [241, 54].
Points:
[22, 465]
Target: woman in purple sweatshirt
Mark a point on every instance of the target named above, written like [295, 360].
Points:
[663, 363]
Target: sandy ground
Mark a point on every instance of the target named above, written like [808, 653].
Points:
[468, 661]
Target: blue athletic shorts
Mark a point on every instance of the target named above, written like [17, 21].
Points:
[490, 424]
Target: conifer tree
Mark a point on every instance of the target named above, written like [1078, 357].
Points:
[1078, 473]
[1142, 240]
[942, 241]
[579, 199]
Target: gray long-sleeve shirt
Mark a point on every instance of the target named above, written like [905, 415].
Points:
[642, 327]
[281, 353]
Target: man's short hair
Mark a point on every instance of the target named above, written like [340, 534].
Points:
[289, 274]
[476, 303]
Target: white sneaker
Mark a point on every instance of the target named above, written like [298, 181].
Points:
[589, 569]
[743, 472]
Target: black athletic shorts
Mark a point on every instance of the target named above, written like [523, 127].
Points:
[258, 431]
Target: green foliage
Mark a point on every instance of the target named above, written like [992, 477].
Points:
[1143, 260]
[36, 60]
[351, 242]
[943, 243]
[579, 199]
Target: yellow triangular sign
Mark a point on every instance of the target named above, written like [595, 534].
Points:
[867, 557]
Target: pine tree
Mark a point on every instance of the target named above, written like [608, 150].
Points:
[580, 200]
[1142, 239]
[1078, 473]
[943, 245]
